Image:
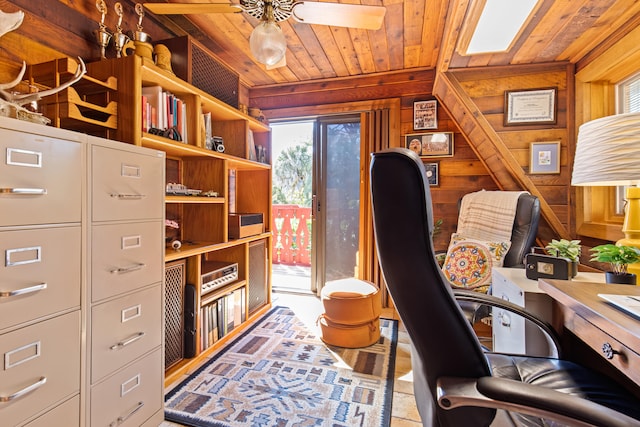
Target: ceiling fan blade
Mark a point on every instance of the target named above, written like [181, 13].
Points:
[281, 63]
[192, 8]
[339, 14]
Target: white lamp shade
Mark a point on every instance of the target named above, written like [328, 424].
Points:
[267, 43]
[608, 151]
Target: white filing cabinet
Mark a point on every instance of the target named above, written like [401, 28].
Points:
[511, 333]
[81, 279]
[40, 274]
[126, 295]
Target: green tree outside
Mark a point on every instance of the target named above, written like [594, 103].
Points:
[292, 176]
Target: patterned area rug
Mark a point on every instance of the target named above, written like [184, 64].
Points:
[278, 373]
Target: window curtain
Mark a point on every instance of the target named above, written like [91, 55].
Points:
[376, 131]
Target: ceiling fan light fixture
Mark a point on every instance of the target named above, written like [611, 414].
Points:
[267, 43]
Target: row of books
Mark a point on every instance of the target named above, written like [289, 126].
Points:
[162, 110]
[221, 316]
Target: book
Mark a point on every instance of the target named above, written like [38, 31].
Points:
[155, 99]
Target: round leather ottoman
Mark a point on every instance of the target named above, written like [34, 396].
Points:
[351, 316]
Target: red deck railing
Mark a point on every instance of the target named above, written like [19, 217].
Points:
[291, 226]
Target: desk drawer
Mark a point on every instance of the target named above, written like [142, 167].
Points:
[44, 264]
[124, 329]
[41, 179]
[47, 353]
[126, 257]
[127, 185]
[129, 397]
[508, 328]
[626, 360]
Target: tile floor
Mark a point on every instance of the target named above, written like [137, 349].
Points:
[404, 411]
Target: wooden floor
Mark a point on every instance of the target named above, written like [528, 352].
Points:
[404, 411]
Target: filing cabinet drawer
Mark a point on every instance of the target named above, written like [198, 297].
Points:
[45, 356]
[66, 414]
[126, 185]
[40, 273]
[40, 179]
[125, 257]
[129, 397]
[124, 329]
[508, 328]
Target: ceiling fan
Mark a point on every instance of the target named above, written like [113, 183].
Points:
[267, 42]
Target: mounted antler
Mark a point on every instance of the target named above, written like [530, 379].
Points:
[21, 99]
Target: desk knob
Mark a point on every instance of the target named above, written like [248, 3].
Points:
[608, 351]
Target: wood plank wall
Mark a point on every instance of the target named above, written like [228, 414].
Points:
[485, 88]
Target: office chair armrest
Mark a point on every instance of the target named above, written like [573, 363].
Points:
[510, 395]
[495, 302]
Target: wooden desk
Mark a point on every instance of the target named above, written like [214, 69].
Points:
[597, 323]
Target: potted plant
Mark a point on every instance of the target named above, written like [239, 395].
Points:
[570, 249]
[618, 258]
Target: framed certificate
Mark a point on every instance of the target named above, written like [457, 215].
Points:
[525, 107]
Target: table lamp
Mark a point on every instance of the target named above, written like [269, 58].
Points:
[608, 154]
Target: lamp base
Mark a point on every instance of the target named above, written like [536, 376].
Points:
[631, 225]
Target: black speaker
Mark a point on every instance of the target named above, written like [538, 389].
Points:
[194, 63]
[190, 297]
[174, 277]
[257, 279]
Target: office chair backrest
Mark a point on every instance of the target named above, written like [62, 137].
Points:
[524, 231]
[443, 342]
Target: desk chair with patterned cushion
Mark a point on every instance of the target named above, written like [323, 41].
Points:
[495, 229]
[455, 382]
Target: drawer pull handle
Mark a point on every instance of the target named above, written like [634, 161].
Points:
[24, 391]
[130, 340]
[505, 319]
[36, 288]
[128, 196]
[124, 418]
[123, 270]
[608, 351]
[24, 191]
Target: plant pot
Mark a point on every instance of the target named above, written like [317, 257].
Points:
[621, 279]
[573, 269]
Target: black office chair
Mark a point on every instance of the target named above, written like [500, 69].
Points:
[456, 383]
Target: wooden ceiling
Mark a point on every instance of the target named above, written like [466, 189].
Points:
[415, 34]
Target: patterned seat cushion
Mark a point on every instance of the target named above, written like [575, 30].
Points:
[468, 262]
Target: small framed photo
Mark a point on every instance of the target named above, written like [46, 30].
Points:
[436, 144]
[545, 157]
[425, 115]
[525, 107]
[433, 173]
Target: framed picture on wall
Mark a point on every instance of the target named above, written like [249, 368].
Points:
[433, 173]
[525, 107]
[545, 157]
[433, 144]
[425, 115]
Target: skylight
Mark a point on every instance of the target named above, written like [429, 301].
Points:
[499, 24]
